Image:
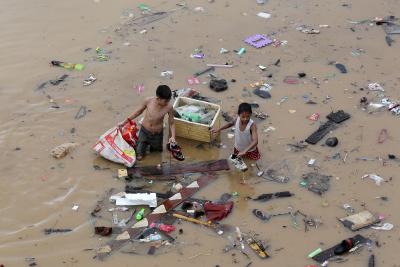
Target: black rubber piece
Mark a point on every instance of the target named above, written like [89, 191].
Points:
[338, 116]
[260, 215]
[56, 63]
[332, 141]
[264, 197]
[187, 205]
[58, 80]
[341, 68]
[218, 85]
[262, 93]
[389, 40]
[283, 194]
[323, 130]
[371, 261]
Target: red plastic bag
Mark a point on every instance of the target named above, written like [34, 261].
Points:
[130, 132]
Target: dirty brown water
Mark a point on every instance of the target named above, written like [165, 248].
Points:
[38, 191]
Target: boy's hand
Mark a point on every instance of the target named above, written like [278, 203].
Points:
[171, 140]
[241, 154]
[122, 123]
[215, 131]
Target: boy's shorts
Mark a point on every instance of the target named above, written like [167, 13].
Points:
[155, 141]
[253, 155]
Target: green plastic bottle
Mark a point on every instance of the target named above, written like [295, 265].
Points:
[68, 66]
[140, 214]
[194, 117]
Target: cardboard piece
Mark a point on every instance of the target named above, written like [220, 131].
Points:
[359, 220]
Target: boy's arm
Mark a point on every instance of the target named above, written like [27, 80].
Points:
[254, 140]
[140, 110]
[226, 126]
[171, 122]
[137, 112]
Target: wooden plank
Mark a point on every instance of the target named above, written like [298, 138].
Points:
[180, 168]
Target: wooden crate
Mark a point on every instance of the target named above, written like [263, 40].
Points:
[194, 130]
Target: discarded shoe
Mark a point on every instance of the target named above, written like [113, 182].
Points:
[176, 151]
[331, 252]
[238, 163]
[385, 227]
[332, 141]
[260, 215]
[264, 197]
[344, 247]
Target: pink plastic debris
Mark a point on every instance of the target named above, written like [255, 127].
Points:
[314, 117]
[193, 80]
[139, 89]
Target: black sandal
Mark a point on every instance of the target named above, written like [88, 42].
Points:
[260, 215]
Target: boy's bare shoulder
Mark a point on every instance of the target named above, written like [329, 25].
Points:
[149, 99]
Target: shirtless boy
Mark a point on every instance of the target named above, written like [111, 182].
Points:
[151, 132]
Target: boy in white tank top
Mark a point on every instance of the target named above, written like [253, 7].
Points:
[246, 137]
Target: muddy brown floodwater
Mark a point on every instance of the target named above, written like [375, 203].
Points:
[38, 191]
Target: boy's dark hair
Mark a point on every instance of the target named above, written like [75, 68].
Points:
[244, 107]
[163, 92]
